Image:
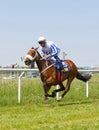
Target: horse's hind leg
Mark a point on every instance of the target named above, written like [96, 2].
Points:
[67, 87]
[58, 90]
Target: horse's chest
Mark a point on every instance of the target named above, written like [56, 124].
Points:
[48, 79]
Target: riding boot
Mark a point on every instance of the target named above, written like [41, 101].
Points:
[58, 61]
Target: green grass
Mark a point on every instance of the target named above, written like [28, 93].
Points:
[74, 112]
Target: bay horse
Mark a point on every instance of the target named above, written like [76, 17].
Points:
[49, 73]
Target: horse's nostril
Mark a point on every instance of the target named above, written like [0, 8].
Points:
[26, 62]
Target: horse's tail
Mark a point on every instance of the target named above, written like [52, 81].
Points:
[84, 76]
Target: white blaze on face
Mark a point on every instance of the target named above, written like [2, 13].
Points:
[29, 57]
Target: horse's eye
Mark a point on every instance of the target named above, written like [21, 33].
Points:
[33, 54]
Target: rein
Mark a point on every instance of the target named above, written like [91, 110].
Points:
[46, 68]
[46, 65]
[30, 57]
[33, 58]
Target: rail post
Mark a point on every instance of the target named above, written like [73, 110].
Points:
[57, 94]
[19, 87]
[87, 89]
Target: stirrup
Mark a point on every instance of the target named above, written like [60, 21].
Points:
[65, 69]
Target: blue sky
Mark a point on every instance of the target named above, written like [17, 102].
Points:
[72, 24]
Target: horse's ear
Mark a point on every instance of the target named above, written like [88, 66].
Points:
[32, 48]
[36, 48]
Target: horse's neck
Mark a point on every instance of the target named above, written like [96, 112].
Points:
[41, 63]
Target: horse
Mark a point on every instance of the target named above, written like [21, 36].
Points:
[50, 76]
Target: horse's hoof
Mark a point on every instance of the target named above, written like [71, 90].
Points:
[53, 94]
[59, 99]
[47, 101]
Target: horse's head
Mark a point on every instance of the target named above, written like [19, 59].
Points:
[31, 56]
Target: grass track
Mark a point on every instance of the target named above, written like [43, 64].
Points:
[74, 112]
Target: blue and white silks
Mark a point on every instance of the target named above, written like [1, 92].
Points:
[53, 50]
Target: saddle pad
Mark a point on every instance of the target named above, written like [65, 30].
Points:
[63, 63]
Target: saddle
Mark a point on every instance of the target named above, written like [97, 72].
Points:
[64, 66]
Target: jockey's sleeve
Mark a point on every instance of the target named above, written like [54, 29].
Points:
[54, 50]
[45, 52]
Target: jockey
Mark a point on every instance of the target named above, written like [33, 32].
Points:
[50, 50]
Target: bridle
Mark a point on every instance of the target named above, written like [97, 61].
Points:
[30, 57]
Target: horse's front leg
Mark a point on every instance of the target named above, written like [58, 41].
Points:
[46, 90]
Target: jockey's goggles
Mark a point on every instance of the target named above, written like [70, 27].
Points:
[42, 42]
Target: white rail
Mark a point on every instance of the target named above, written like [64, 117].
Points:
[26, 70]
[17, 70]
[19, 78]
